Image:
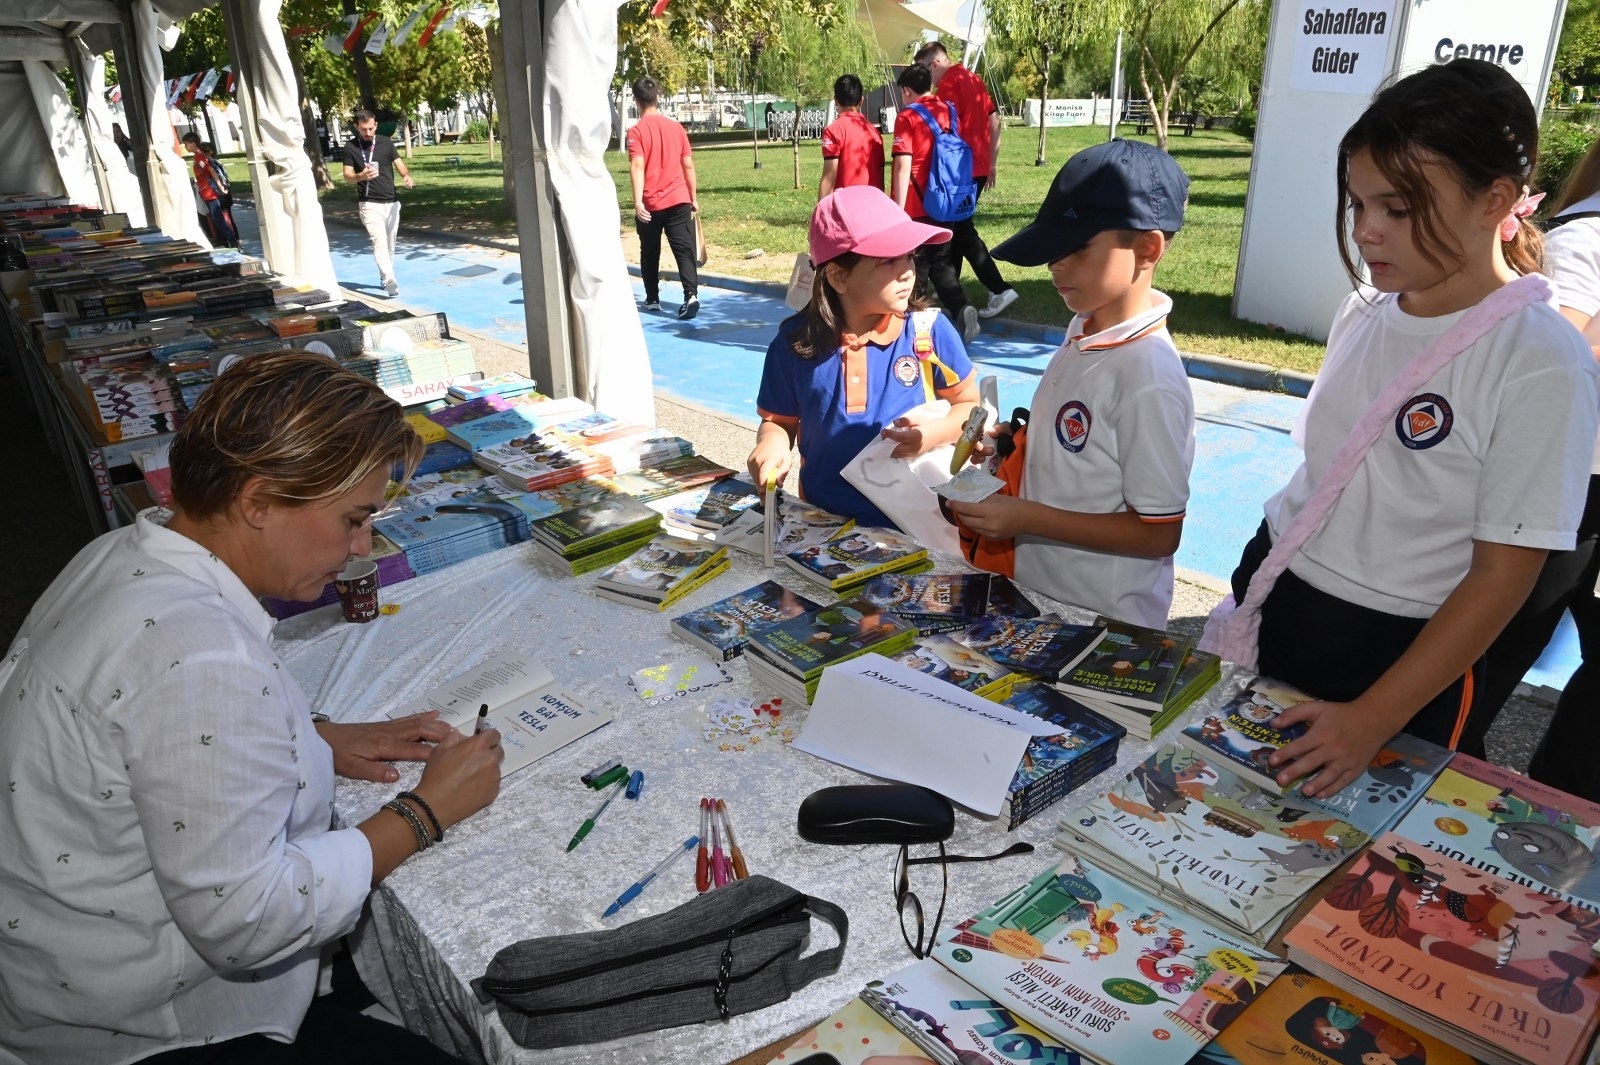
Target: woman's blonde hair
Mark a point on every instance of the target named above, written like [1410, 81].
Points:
[1583, 182]
[309, 428]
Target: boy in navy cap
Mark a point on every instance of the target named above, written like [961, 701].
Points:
[1105, 479]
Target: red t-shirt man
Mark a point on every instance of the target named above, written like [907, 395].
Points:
[974, 105]
[662, 144]
[858, 146]
[912, 137]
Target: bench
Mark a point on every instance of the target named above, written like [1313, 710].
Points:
[449, 138]
[1139, 113]
[452, 160]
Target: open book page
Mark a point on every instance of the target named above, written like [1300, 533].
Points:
[499, 682]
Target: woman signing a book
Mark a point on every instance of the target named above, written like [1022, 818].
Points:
[169, 875]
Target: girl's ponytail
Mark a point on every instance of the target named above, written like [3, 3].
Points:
[1524, 252]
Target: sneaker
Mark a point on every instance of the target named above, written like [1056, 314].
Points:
[689, 309]
[969, 324]
[391, 288]
[998, 302]
[651, 305]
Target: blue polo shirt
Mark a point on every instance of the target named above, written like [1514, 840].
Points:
[842, 401]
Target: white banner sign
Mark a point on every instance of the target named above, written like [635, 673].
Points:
[1516, 36]
[1065, 112]
[1341, 51]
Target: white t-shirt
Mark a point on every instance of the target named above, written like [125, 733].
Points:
[166, 863]
[1112, 430]
[1496, 446]
[1572, 259]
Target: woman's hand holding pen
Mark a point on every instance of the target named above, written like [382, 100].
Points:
[463, 776]
[364, 751]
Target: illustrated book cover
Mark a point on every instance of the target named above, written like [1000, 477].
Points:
[722, 628]
[856, 556]
[1240, 734]
[1039, 646]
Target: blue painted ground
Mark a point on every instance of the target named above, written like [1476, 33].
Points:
[1243, 451]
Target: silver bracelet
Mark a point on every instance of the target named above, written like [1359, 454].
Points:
[401, 807]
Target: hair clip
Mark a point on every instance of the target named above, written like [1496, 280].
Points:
[1505, 131]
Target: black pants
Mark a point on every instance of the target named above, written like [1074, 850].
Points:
[678, 222]
[939, 272]
[334, 1030]
[970, 246]
[1565, 583]
[1334, 649]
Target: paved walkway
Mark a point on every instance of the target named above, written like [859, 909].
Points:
[1243, 451]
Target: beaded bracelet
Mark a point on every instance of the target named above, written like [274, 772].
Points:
[424, 841]
[438, 829]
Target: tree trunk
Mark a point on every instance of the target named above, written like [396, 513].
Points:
[755, 137]
[489, 121]
[1044, 96]
[497, 77]
[363, 75]
[795, 140]
[1158, 115]
[308, 122]
[406, 125]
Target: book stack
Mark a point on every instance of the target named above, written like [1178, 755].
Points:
[662, 572]
[800, 525]
[438, 536]
[670, 477]
[130, 401]
[789, 656]
[1056, 765]
[941, 657]
[538, 461]
[508, 386]
[1040, 646]
[722, 629]
[1130, 674]
[700, 512]
[1188, 829]
[646, 449]
[933, 602]
[595, 535]
[1100, 966]
[1240, 735]
[844, 564]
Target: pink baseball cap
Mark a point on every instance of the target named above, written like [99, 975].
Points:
[864, 220]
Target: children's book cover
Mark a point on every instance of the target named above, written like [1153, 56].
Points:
[1102, 966]
[1305, 1017]
[1132, 666]
[723, 626]
[803, 646]
[1513, 827]
[592, 523]
[715, 506]
[1190, 824]
[446, 521]
[931, 595]
[1458, 951]
[1056, 764]
[1398, 775]
[953, 663]
[1029, 645]
[799, 525]
[659, 566]
[1240, 734]
[856, 556]
[854, 1034]
[1200, 671]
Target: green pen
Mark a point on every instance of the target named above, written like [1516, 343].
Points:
[588, 826]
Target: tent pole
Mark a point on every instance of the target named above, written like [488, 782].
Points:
[135, 108]
[544, 292]
[80, 81]
[247, 74]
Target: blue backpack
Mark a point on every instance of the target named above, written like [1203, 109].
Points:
[951, 195]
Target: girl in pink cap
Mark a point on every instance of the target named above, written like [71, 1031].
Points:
[863, 354]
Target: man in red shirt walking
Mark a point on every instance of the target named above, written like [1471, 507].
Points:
[664, 197]
[852, 147]
[979, 122]
[938, 265]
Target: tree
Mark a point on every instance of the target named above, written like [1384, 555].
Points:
[1577, 59]
[404, 78]
[1168, 34]
[477, 75]
[1046, 32]
[815, 42]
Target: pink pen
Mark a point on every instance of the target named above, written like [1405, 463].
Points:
[702, 869]
[719, 861]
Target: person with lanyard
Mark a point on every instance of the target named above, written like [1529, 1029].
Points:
[852, 147]
[214, 192]
[370, 161]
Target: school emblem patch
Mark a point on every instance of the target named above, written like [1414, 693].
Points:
[906, 370]
[1073, 422]
[1424, 420]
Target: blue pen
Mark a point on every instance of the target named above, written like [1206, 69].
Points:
[645, 881]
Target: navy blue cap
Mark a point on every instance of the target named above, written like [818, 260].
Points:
[1116, 185]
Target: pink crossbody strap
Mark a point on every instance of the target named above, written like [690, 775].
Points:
[1232, 631]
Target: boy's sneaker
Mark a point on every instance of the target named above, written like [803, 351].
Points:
[969, 324]
[651, 305]
[998, 302]
[391, 288]
[690, 308]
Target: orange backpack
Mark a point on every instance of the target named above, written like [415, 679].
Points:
[997, 556]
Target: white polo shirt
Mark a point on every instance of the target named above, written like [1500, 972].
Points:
[1112, 430]
[1572, 259]
[1496, 446]
[167, 870]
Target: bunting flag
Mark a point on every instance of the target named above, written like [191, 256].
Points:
[354, 37]
[400, 35]
[433, 25]
[178, 85]
[114, 94]
[209, 85]
[334, 41]
[659, 8]
[228, 88]
[379, 38]
[194, 86]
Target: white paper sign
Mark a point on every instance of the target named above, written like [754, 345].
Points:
[891, 721]
[1343, 49]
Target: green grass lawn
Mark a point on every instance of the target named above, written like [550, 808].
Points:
[743, 209]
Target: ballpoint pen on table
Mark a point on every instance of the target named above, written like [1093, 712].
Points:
[719, 861]
[740, 870]
[702, 866]
[584, 829]
[483, 719]
[645, 881]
